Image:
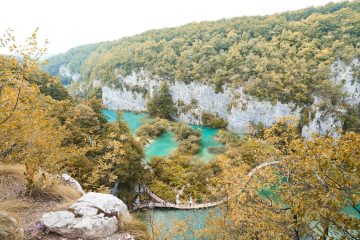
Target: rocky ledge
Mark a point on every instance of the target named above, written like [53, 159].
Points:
[93, 216]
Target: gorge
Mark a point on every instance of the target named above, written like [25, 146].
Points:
[239, 128]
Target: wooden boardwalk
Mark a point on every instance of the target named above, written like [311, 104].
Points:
[160, 203]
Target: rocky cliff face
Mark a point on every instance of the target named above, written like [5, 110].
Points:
[193, 99]
[234, 106]
[327, 122]
[67, 75]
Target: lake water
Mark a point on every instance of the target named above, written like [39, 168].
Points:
[166, 143]
[133, 120]
[164, 146]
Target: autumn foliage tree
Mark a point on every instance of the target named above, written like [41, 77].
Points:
[291, 188]
[29, 132]
[42, 127]
[161, 104]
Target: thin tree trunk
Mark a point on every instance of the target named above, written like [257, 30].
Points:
[296, 231]
[325, 232]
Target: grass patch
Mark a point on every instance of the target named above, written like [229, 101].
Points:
[28, 206]
[136, 228]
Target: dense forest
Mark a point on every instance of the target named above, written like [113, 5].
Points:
[44, 128]
[284, 57]
[275, 184]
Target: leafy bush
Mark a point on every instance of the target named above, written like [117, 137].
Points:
[188, 138]
[152, 130]
[213, 120]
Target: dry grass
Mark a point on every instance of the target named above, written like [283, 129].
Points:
[12, 181]
[136, 228]
[9, 229]
[26, 206]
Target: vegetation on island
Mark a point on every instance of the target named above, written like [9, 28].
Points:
[152, 130]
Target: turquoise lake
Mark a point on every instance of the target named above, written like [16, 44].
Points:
[164, 146]
[133, 120]
[166, 143]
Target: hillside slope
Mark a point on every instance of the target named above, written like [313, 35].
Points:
[273, 60]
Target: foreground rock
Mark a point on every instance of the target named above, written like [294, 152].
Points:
[94, 215]
[9, 228]
[71, 181]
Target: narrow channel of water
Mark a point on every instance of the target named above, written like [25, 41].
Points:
[164, 146]
[166, 143]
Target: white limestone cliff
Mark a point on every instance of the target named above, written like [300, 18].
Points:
[328, 122]
[239, 109]
[232, 105]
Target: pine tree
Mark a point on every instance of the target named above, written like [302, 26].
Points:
[161, 104]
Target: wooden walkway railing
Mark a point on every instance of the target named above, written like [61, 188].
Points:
[160, 203]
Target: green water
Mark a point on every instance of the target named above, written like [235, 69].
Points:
[163, 146]
[166, 143]
[132, 119]
[207, 140]
[165, 219]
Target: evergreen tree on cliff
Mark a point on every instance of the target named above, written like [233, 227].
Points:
[161, 104]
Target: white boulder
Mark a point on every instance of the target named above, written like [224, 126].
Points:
[96, 203]
[71, 181]
[94, 215]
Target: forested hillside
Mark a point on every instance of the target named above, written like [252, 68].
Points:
[284, 57]
[45, 129]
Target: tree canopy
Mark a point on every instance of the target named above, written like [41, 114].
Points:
[284, 57]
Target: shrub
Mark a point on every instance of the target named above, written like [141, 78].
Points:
[152, 130]
[188, 138]
[213, 120]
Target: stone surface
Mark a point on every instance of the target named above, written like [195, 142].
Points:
[93, 216]
[9, 227]
[233, 105]
[71, 181]
[238, 109]
[327, 122]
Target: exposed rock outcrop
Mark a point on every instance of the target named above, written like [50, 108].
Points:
[237, 108]
[66, 73]
[94, 215]
[71, 181]
[327, 122]
[232, 105]
[9, 228]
